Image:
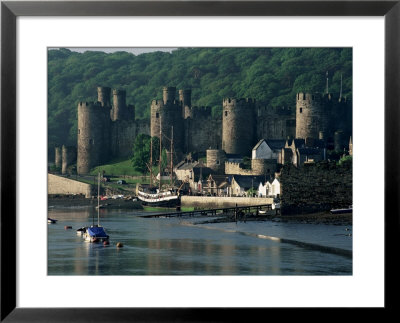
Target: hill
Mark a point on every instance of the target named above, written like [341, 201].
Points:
[273, 75]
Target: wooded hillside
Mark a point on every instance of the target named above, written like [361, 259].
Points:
[273, 75]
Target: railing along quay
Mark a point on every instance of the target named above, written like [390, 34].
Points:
[212, 212]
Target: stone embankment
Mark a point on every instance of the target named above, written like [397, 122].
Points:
[316, 187]
[66, 186]
[220, 201]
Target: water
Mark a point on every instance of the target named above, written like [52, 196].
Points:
[176, 246]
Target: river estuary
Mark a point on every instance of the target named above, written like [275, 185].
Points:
[179, 246]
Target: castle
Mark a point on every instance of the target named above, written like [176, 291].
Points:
[106, 130]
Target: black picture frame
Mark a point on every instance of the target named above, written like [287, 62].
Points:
[10, 10]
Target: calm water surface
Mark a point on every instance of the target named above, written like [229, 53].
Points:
[178, 246]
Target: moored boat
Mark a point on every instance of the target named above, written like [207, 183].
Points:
[52, 221]
[81, 231]
[168, 198]
[95, 233]
[159, 197]
[342, 211]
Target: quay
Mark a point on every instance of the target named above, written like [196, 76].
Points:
[236, 210]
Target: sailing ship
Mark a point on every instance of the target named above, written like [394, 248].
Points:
[159, 197]
[95, 233]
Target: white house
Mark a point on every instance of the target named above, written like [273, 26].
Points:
[262, 192]
[267, 149]
[275, 188]
[269, 189]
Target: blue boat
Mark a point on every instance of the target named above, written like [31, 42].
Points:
[95, 233]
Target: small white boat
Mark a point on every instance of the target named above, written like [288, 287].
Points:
[343, 211]
[52, 221]
[81, 231]
[262, 211]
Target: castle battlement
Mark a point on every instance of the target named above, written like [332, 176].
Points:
[197, 112]
[91, 105]
[302, 96]
[264, 110]
[241, 101]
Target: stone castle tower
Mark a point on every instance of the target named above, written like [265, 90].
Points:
[166, 117]
[93, 135]
[106, 130]
[238, 126]
[322, 117]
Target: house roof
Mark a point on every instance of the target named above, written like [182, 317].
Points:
[219, 179]
[247, 182]
[258, 144]
[276, 144]
[310, 151]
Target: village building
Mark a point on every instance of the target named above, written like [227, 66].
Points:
[268, 149]
[217, 185]
[269, 189]
[194, 173]
[241, 184]
[300, 151]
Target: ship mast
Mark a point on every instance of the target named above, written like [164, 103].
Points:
[172, 143]
[159, 166]
[98, 200]
[151, 161]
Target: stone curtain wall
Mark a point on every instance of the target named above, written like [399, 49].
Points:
[62, 185]
[316, 187]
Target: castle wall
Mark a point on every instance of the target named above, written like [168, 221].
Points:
[315, 187]
[238, 126]
[258, 167]
[202, 133]
[275, 123]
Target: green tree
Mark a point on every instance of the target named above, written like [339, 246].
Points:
[141, 152]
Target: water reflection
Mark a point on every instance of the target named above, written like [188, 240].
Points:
[172, 247]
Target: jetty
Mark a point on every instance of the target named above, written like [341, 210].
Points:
[236, 210]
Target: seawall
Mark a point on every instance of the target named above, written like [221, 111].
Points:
[62, 185]
[217, 202]
[316, 187]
